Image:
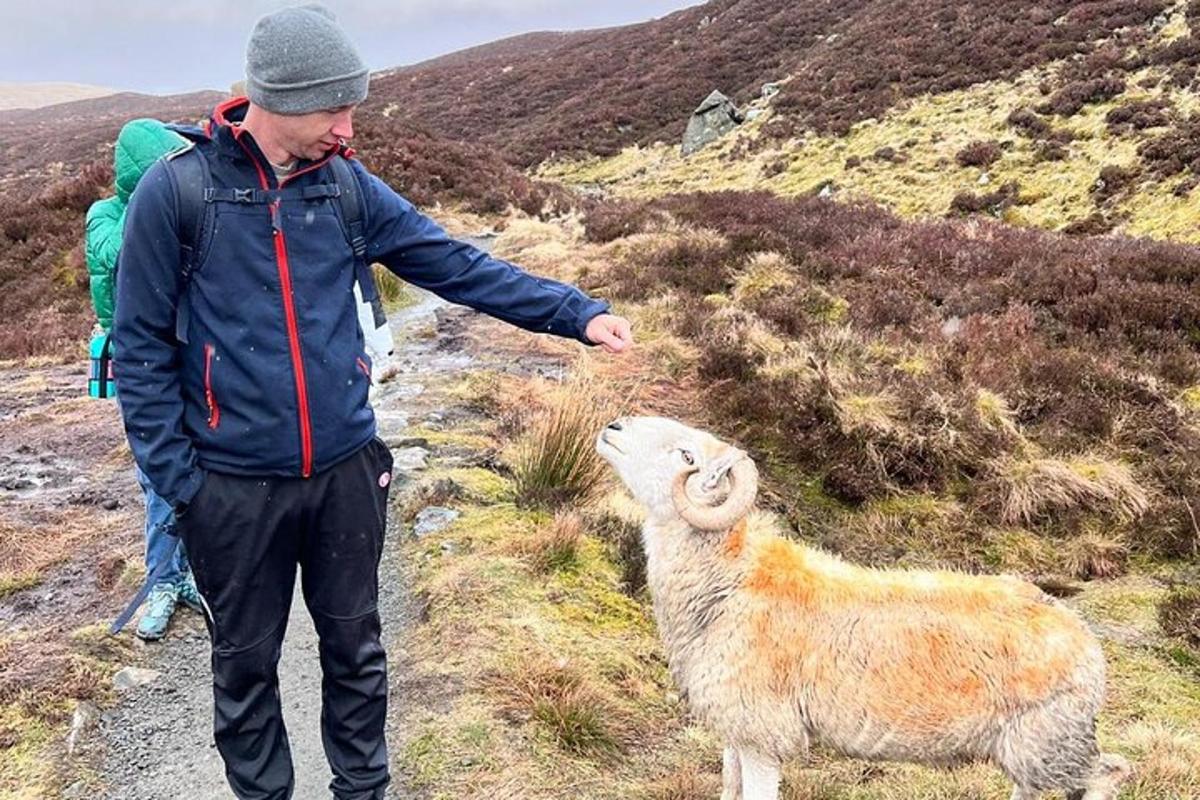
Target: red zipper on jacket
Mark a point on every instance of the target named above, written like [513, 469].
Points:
[362, 365]
[214, 411]
[289, 312]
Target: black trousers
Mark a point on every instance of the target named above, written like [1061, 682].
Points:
[245, 537]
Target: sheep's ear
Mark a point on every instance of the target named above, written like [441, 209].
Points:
[720, 468]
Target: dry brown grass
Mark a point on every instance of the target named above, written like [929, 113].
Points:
[1030, 489]
[557, 462]
[687, 782]
[1179, 613]
[33, 540]
[555, 547]
[1094, 554]
[564, 702]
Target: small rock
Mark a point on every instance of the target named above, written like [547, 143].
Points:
[110, 505]
[400, 442]
[85, 717]
[984, 179]
[75, 791]
[133, 677]
[433, 519]
[951, 327]
[410, 459]
[449, 548]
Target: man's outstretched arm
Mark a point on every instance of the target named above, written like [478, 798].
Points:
[419, 251]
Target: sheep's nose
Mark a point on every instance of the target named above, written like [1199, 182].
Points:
[615, 426]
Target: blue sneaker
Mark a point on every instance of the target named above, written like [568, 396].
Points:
[189, 595]
[160, 605]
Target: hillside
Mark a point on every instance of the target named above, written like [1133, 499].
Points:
[599, 91]
[36, 95]
[61, 138]
[1096, 142]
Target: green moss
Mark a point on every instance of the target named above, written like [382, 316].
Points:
[18, 582]
[1184, 657]
[1016, 550]
[26, 768]
[425, 758]
[1190, 398]
[1143, 685]
[592, 596]
[449, 438]
[481, 484]
[1131, 601]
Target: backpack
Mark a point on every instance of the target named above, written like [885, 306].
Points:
[188, 170]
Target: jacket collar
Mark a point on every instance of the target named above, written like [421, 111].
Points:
[225, 128]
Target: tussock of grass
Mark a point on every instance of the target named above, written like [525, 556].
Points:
[394, 292]
[1030, 489]
[1094, 554]
[557, 462]
[556, 548]
[559, 697]
[1179, 613]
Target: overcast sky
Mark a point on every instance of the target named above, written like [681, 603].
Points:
[168, 46]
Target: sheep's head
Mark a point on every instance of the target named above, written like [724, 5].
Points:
[673, 469]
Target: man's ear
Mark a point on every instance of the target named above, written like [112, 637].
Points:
[720, 467]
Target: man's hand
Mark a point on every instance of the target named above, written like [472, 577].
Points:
[611, 332]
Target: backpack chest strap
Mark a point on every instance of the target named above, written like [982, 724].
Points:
[266, 196]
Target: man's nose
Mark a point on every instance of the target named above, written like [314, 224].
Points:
[343, 126]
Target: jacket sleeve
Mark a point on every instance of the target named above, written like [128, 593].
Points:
[419, 251]
[146, 357]
[102, 242]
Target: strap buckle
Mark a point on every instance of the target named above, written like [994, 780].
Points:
[243, 195]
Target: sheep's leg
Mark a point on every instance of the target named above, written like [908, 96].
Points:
[731, 773]
[760, 776]
[1107, 776]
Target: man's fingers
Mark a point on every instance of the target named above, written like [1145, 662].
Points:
[616, 336]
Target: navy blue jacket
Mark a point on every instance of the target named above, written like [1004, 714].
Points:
[272, 378]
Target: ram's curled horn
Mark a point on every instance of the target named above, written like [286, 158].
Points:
[743, 479]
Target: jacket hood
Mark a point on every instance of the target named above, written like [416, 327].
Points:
[141, 143]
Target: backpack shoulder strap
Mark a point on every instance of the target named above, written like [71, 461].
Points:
[350, 201]
[188, 168]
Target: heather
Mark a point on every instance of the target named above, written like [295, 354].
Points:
[595, 92]
[1014, 379]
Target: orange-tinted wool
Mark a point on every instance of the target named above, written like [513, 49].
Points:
[962, 627]
[736, 541]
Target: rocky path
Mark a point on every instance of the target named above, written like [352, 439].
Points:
[158, 740]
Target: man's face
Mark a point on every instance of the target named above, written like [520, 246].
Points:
[312, 135]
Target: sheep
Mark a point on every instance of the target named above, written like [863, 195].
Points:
[776, 644]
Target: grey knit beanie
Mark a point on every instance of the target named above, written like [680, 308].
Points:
[299, 60]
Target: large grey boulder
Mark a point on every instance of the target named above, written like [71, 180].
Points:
[711, 120]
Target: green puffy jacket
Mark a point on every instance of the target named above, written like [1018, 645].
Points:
[140, 143]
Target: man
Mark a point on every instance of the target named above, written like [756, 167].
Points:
[245, 390]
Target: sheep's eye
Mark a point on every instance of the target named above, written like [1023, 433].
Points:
[688, 458]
